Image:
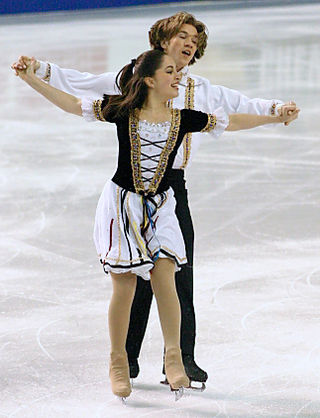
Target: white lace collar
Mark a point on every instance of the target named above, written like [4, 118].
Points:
[147, 123]
[186, 74]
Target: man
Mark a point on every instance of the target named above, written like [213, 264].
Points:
[184, 39]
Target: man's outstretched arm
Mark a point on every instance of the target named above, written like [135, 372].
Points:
[70, 81]
[236, 102]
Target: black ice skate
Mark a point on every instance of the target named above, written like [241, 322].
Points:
[193, 371]
[133, 368]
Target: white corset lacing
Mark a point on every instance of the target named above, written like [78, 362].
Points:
[153, 137]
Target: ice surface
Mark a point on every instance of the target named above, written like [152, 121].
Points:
[255, 202]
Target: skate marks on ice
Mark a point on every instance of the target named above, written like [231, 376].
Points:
[250, 189]
[262, 288]
[255, 376]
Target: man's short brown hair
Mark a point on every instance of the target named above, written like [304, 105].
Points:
[165, 29]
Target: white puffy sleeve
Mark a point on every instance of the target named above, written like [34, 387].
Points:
[217, 123]
[91, 109]
[235, 102]
[41, 71]
[214, 123]
[77, 83]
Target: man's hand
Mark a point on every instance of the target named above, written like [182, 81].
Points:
[288, 109]
[22, 64]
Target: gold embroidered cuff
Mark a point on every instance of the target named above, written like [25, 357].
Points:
[273, 109]
[97, 110]
[47, 75]
[212, 121]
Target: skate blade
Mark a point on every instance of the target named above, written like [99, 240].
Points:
[197, 388]
[191, 386]
[122, 399]
[178, 393]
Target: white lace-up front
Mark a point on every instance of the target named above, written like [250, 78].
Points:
[153, 137]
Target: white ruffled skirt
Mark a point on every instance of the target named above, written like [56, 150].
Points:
[127, 240]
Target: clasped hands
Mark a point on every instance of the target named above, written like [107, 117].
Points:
[287, 113]
[23, 63]
[25, 67]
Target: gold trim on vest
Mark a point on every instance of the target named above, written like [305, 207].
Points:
[135, 151]
[188, 104]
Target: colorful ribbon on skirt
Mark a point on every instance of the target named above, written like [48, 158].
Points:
[149, 210]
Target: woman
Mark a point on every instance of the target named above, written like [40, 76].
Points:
[136, 231]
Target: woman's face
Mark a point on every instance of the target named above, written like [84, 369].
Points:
[166, 79]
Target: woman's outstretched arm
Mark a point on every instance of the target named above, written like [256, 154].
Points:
[65, 101]
[240, 121]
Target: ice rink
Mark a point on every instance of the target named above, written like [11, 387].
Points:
[255, 202]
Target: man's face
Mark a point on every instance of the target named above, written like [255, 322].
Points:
[182, 46]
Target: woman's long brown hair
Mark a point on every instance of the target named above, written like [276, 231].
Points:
[130, 81]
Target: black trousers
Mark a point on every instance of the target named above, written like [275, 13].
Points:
[184, 282]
